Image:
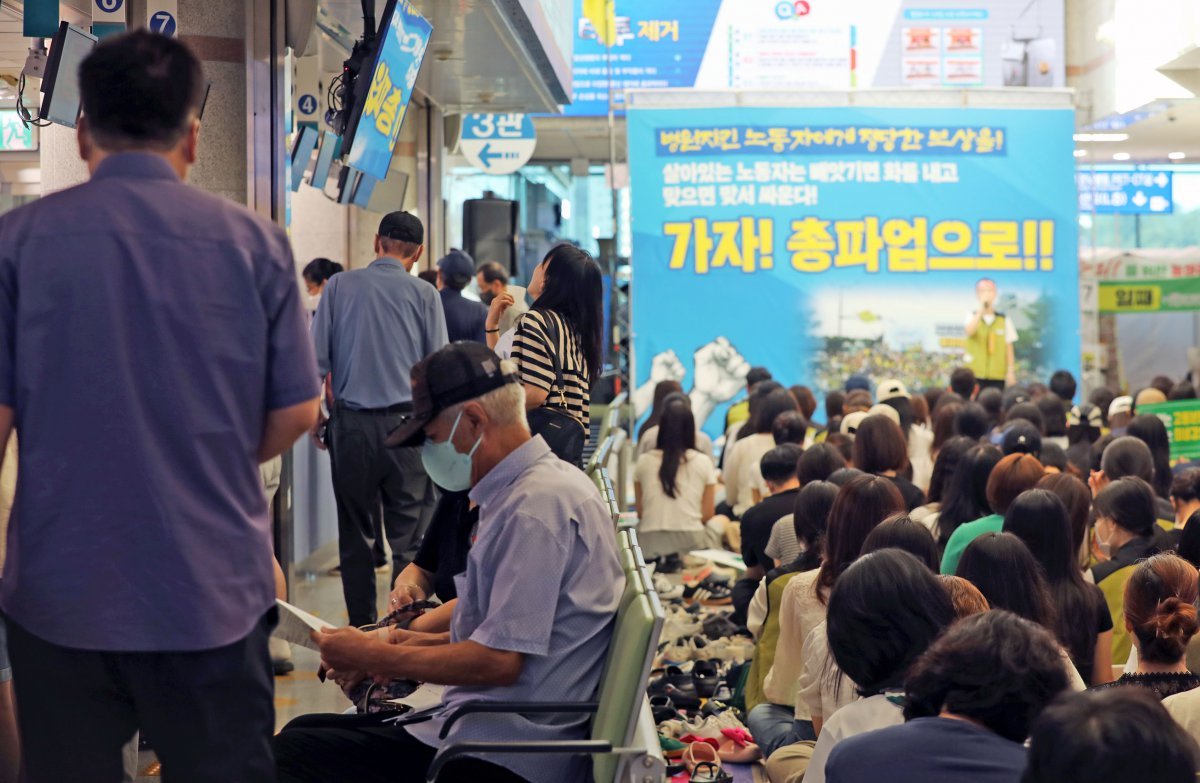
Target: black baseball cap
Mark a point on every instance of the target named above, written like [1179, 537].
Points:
[1021, 438]
[459, 372]
[402, 227]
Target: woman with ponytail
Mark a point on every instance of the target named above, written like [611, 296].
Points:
[1160, 613]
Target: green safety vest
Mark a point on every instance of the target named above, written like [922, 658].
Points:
[1113, 587]
[764, 651]
[988, 349]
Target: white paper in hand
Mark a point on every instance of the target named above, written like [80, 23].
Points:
[295, 625]
[509, 319]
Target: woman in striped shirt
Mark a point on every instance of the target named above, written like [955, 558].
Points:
[568, 295]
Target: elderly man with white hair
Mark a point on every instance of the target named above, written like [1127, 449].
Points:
[533, 618]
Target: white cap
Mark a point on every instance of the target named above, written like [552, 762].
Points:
[891, 389]
[851, 421]
[885, 410]
[1120, 405]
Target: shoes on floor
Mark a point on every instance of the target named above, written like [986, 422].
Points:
[666, 589]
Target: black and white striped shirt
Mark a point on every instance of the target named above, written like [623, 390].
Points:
[531, 352]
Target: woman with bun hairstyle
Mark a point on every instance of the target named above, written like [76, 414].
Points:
[1160, 615]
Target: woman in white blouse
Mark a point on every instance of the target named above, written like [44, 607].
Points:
[675, 487]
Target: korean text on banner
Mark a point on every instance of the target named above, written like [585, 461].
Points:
[1182, 419]
[822, 242]
[402, 46]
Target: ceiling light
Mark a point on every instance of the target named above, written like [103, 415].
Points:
[1080, 153]
[1101, 136]
[1176, 155]
[1121, 156]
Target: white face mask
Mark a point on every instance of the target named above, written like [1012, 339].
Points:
[311, 302]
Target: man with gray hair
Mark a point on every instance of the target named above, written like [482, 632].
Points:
[533, 618]
[372, 326]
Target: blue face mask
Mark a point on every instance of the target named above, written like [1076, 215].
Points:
[446, 466]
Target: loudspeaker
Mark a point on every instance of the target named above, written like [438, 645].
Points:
[490, 231]
[300, 16]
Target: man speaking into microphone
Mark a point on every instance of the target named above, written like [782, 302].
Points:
[990, 339]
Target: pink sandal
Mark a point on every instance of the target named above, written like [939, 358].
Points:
[737, 747]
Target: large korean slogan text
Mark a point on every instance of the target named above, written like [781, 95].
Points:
[820, 242]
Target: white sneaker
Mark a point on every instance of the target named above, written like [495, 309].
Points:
[679, 651]
[666, 589]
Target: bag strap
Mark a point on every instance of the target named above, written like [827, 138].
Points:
[552, 333]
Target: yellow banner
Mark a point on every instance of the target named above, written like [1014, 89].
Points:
[1131, 298]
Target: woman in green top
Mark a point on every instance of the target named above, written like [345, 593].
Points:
[1012, 475]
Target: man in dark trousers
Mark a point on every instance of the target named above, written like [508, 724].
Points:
[153, 352]
[465, 319]
[372, 326]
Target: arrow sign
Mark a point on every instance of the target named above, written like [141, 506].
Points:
[497, 143]
[486, 155]
[1126, 191]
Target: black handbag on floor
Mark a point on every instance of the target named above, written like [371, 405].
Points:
[561, 431]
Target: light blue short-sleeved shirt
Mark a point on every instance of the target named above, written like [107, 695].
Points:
[371, 327]
[543, 579]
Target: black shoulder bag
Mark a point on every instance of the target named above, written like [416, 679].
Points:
[561, 431]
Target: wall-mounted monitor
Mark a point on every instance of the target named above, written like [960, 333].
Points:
[302, 150]
[60, 86]
[331, 145]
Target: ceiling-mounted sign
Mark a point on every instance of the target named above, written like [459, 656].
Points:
[162, 16]
[1142, 192]
[497, 143]
[108, 17]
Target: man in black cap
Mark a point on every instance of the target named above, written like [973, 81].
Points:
[373, 325]
[533, 617]
[465, 319]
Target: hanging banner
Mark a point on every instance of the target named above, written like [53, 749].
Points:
[162, 16]
[402, 43]
[1182, 419]
[810, 44]
[822, 242]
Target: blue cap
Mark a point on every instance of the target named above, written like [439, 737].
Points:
[457, 263]
[858, 381]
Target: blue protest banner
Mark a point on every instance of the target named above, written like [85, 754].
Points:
[402, 43]
[821, 242]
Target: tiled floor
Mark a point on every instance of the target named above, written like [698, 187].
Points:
[300, 693]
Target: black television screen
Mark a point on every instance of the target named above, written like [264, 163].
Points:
[60, 86]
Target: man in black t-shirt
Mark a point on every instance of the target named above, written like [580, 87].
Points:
[779, 473]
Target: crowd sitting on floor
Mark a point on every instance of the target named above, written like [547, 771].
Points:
[938, 587]
[961, 584]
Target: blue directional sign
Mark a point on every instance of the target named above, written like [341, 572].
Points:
[1143, 192]
[497, 143]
